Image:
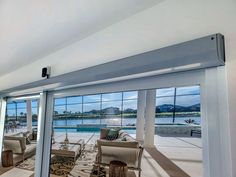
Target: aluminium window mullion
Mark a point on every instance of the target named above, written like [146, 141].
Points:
[6, 116]
[82, 110]
[66, 114]
[100, 109]
[16, 110]
[174, 106]
[122, 104]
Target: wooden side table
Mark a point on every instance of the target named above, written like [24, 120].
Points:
[7, 158]
[118, 169]
[34, 134]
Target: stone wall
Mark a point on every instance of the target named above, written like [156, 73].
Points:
[176, 130]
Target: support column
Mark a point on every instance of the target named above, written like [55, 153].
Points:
[29, 115]
[140, 115]
[150, 118]
[215, 124]
[44, 138]
[3, 105]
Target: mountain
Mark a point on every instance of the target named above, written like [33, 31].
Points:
[195, 107]
[178, 108]
[165, 108]
[159, 109]
[111, 110]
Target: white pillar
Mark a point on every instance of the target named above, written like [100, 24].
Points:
[150, 118]
[29, 115]
[140, 115]
[44, 138]
[215, 124]
[3, 104]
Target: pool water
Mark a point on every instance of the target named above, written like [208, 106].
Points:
[130, 130]
[96, 129]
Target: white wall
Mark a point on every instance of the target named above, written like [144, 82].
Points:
[167, 23]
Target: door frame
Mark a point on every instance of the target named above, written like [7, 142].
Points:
[217, 160]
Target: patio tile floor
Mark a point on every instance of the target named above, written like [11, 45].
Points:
[185, 152]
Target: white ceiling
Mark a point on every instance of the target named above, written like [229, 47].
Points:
[153, 25]
[30, 30]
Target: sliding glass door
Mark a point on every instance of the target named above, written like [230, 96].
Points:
[77, 121]
[19, 120]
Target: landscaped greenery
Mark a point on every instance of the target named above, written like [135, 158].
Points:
[125, 115]
[178, 114]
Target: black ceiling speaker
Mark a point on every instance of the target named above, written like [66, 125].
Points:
[46, 72]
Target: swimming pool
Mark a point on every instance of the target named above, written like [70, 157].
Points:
[96, 128]
[130, 130]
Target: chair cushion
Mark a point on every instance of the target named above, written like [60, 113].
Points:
[127, 155]
[119, 143]
[26, 135]
[112, 134]
[103, 133]
[15, 143]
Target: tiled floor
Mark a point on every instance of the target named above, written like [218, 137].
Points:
[151, 168]
[16, 172]
[186, 153]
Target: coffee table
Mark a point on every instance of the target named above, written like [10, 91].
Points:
[79, 142]
[69, 150]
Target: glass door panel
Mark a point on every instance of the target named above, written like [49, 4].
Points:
[20, 136]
